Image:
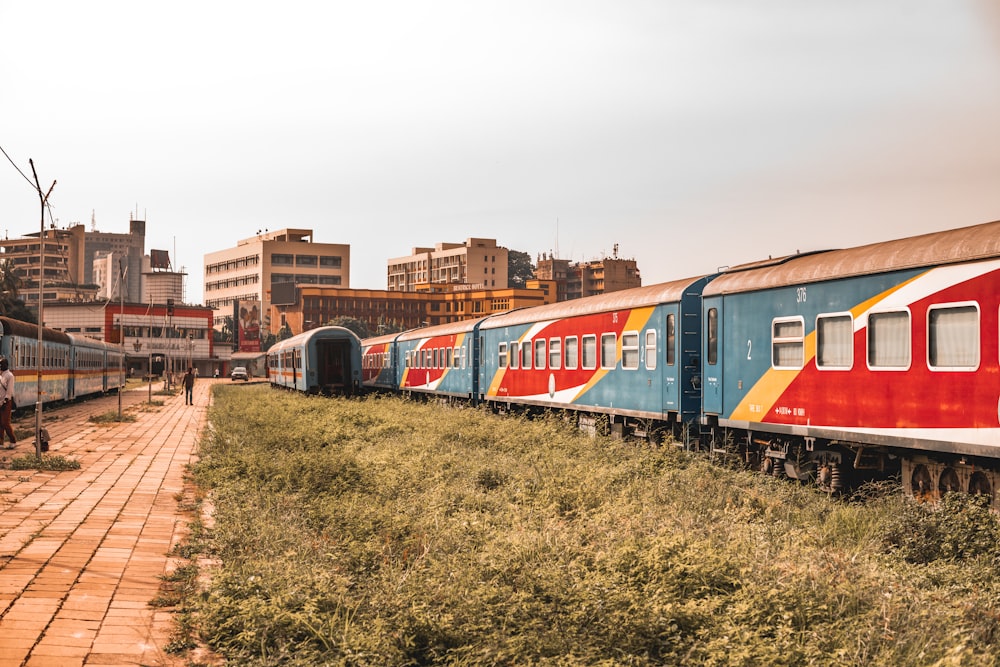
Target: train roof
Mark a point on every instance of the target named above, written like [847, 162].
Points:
[319, 332]
[12, 327]
[447, 329]
[966, 244]
[636, 297]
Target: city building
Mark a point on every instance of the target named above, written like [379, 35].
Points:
[478, 263]
[70, 257]
[244, 276]
[576, 280]
[156, 337]
[304, 307]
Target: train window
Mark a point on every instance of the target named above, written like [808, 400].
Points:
[835, 342]
[788, 343]
[651, 349]
[515, 355]
[712, 331]
[555, 353]
[540, 353]
[526, 355]
[953, 337]
[889, 340]
[630, 350]
[502, 355]
[590, 352]
[572, 353]
[609, 356]
[460, 351]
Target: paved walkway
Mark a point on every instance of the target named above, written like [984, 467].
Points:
[82, 551]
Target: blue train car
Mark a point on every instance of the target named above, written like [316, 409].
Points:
[326, 360]
[631, 354]
[95, 366]
[829, 361]
[439, 360]
[380, 362]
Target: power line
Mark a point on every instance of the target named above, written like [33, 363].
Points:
[20, 172]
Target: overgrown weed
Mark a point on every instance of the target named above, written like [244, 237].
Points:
[383, 532]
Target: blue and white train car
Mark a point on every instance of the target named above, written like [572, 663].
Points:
[95, 366]
[439, 360]
[632, 354]
[326, 360]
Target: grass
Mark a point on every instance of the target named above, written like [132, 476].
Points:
[50, 462]
[385, 532]
[111, 417]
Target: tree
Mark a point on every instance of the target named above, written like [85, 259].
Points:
[11, 303]
[352, 323]
[519, 268]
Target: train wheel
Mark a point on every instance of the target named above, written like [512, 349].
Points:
[979, 484]
[920, 482]
[948, 482]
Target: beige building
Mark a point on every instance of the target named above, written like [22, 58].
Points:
[576, 280]
[478, 263]
[247, 272]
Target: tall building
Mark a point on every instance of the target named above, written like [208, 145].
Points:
[246, 273]
[306, 307]
[70, 255]
[478, 263]
[576, 280]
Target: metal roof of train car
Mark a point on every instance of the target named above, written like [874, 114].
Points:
[967, 244]
[636, 297]
[462, 326]
[319, 333]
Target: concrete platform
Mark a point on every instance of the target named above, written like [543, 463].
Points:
[82, 552]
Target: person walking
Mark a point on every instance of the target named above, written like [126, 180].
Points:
[188, 382]
[7, 405]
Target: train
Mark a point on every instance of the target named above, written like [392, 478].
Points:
[72, 366]
[325, 360]
[830, 367]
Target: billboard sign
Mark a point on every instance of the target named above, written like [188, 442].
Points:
[248, 326]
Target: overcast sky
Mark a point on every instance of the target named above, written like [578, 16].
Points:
[692, 133]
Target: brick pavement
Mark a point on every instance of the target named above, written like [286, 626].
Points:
[82, 552]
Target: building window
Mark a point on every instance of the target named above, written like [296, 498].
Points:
[889, 340]
[279, 259]
[306, 260]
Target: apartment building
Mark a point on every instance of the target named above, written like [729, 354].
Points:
[477, 263]
[247, 272]
[576, 280]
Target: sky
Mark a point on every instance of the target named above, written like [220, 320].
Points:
[691, 134]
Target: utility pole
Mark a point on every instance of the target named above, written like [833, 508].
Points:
[43, 199]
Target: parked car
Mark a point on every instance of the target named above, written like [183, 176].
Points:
[240, 373]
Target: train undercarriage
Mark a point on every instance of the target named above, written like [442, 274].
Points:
[833, 466]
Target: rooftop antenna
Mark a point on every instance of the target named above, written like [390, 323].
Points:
[557, 238]
[93, 221]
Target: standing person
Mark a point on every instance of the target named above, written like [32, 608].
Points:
[7, 394]
[188, 382]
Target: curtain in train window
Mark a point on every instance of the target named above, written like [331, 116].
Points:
[540, 353]
[590, 352]
[609, 351]
[571, 354]
[555, 353]
[889, 339]
[953, 337]
[788, 343]
[834, 341]
[630, 350]
[651, 349]
[526, 355]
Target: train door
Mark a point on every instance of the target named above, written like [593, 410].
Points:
[669, 359]
[712, 362]
[333, 360]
